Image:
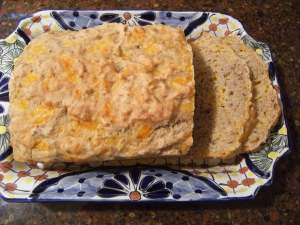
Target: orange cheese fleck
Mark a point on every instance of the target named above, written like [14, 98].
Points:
[187, 107]
[22, 104]
[88, 125]
[38, 49]
[151, 49]
[107, 109]
[103, 46]
[144, 131]
[137, 35]
[42, 145]
[41, 114]
[30, 78]
[69, 71]
[181, 80]
[107, 85]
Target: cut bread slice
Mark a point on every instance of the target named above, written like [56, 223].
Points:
[265, 98]
[223, 99]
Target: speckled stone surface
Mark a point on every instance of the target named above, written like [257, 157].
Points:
[274, 22]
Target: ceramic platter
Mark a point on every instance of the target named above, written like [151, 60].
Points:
[134, 181]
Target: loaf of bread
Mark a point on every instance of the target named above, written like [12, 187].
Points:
[104, 93]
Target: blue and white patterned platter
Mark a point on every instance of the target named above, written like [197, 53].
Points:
[126, 181]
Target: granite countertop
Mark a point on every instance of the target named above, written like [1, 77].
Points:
[274, 22]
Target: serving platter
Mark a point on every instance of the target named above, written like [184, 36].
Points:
[159, 180]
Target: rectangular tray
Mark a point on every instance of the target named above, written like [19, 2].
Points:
[134, 181]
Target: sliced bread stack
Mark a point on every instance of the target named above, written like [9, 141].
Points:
[236, 105]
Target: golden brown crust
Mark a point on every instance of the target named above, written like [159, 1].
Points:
[107, 92]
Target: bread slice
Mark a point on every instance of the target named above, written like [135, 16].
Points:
[104, 93]
[223, 99]
[265, 99]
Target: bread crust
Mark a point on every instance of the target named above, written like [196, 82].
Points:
[104, 93]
